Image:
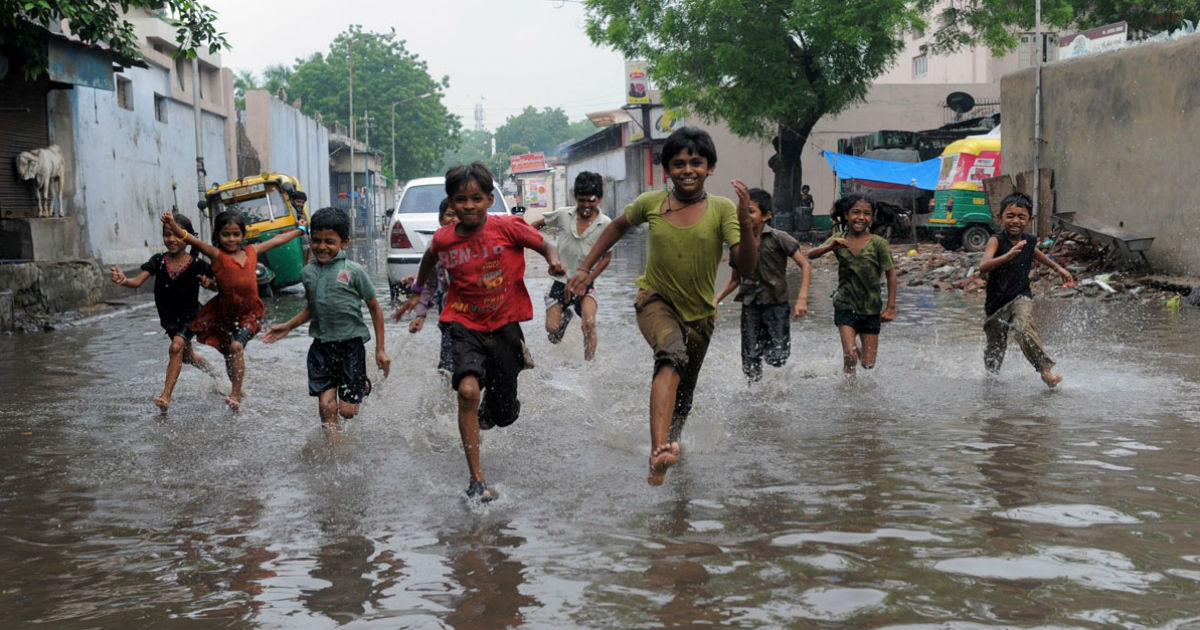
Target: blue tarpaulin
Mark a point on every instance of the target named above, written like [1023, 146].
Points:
[925, 174]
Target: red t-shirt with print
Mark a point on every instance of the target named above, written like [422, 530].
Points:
[487, 272]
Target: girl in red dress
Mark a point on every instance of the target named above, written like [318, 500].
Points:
[227, 322]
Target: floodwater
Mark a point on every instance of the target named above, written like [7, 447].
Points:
[922, 496]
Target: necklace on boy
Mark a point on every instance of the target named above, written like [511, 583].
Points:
[687, 203]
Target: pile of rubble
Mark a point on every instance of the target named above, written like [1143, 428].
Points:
[1098, 272]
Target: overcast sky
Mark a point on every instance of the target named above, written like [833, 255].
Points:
[506, 53]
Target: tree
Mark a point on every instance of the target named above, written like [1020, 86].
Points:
[581, 129]
[102, 21]
[472, 146]
[243, 81]
[997, 23]
[385, 72]
[765, 67]
[539, 131]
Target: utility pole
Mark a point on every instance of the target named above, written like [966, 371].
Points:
[367, 175]
[200, 172]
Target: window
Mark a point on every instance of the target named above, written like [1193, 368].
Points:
[920, 65]
[160, 108]
[124, 93]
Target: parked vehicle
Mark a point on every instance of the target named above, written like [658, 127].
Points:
[413, 223]
[961, 215]
[265, 201]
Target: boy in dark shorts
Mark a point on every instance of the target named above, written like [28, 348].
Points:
[766, 330]
[335, 288]
[485, 259]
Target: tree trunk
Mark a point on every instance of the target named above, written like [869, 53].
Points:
[786, 164]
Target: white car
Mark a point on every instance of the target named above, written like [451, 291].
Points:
[414, 222]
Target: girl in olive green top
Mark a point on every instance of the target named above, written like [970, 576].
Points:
[857, 303]
[688, 230]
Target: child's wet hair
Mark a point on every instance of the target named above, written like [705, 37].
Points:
[442, 207]
[691, 139]
[334, 219]
[762, 198]
[842, 206]
[185, 223]
[459, 176]
[1018, 199]
[225, 218]
[589, 184]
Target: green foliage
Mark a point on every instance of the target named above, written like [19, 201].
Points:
[101, 21]
[581, 129]
[472, 146]
[997, 24]
[537, 131]
[385, 72]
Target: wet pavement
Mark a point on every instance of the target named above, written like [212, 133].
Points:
[923, 496]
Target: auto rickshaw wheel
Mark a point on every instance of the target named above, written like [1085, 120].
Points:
[975, 238]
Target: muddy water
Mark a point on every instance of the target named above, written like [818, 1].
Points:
[923, 496]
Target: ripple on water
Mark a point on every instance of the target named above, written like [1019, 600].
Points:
[1080, 515]
[856, 538]
[1092, 568]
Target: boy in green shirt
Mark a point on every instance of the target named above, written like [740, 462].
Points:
[687, 231]
[335, 288]
[857, 303]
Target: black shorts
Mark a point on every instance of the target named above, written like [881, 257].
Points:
[558, 295]
[179, 329]
[862, 324]
[496, 359]
[338, 364]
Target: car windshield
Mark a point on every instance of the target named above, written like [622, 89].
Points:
[427, 199]
[256, 209]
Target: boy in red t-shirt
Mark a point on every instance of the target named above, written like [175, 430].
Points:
[486, 299]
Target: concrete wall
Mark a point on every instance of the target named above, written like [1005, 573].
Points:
[124, 163]
[1120, 131]
[289, 142]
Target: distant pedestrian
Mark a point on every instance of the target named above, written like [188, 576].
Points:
[178, 276]
[766, 329]
[806, 199]
[228, 321]
[336, 288]
[688, 232]
[484, 305]
[862, 257]
[1007, 260]
[579, 229]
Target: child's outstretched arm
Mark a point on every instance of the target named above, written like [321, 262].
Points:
[990, 260]
[208, 249]
[281, 238]
[833, 244]
[745, 252]
[889, 311]
[118, 277]
[1041, 257]
[381, 358]
[734, 281]
[800, 309]
[428, 261]
[580, 278]
[279, 331]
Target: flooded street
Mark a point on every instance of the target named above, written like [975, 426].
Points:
[923, 496]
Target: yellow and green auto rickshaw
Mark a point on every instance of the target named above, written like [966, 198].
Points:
[266, 202]
[960, 208]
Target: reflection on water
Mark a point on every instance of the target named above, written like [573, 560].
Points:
[926, 495]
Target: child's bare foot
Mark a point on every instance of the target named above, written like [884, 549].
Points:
[661, 459]
[163, 402]
[234, 402]
[1049, 378]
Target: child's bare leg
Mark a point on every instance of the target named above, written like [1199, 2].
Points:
[554, 315]
[870, 348]
[588, 324]
[174, 366]
[235, 364]
[468, 424]
[348, 410]
[327, 406]
[849, 349]
[663, 454]
[190, 357]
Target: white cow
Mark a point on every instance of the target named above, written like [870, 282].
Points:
[46, 166]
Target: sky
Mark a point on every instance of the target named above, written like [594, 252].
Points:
[507, 54]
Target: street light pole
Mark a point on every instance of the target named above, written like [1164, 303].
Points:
[350, 49]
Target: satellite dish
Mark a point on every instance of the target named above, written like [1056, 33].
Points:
[960, 102]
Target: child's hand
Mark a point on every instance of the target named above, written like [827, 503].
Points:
[743, 195]
[888, 314]
[416, 325]
[801, 307]
[716, 302]
[556, 268]
[383, 361]
[168, 221]
[1068, 279]
[838, 243]
[275, 333]
[208, 282]
[1016, 249]
[577, 283]
[407, 306]
[118, 276]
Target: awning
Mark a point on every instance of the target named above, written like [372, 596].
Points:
[923, 174]
[610, 117]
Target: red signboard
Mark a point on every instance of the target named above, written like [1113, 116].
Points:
[527, 163]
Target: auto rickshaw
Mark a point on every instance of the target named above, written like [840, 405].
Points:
[960, 209]
[266, 202]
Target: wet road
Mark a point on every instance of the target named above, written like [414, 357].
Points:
[924, 496]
